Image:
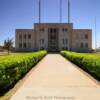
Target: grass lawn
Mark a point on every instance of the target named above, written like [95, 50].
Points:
[6, 53]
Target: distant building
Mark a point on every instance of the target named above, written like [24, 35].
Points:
[54, 37]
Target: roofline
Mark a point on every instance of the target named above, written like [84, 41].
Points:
[53, 23]
[82, 29]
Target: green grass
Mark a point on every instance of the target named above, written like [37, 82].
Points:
[87, 61]
[13, 67]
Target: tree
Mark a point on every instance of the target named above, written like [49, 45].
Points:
[8, 44]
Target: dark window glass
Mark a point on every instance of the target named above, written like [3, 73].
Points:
[86, 36]
[66, 41]
[86, 45]
[24, 36]
[20, 45]
[53, 37]
[20, 36]
[63, 41]
[41, 41]
[24, 45]
[42, 30]
[81, 45]
[29, 36]
[65, 29]
[51, 30]
[29, 45]
[55, 30]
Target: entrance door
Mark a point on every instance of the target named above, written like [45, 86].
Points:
[53, 39]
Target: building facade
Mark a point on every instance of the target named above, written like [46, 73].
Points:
[54, 37]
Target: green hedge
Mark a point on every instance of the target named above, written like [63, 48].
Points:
[13, 67]
[88, 62]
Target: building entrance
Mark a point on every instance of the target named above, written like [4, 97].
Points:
[53, 39]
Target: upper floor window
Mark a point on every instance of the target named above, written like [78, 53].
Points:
[42, 30]
[24, 36]
[86, 36]
[53, 30]
[20, 36]
[65, 29]
[29, 36]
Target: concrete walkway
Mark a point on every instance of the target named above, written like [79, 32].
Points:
[55, 78]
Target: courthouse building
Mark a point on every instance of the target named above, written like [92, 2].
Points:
[54, 37]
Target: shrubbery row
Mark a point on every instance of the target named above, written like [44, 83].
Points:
[88, 62]
[13, 67]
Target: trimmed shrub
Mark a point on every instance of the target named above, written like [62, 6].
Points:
[13, 67]
[88, 62]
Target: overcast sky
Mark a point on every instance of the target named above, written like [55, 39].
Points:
[24, 13]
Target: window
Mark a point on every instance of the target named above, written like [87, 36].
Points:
[20, 36]
[42, 30]
[41, 41]
[29, 45]
[86, 45]
[55, 30]
[24, 45]
[86, 36]
[65, 29]
[66, 41]
[81, 45]
[29, 36]
[20, 45]
[63, 41]
[53, 37]
[51, 30]
[24, 36]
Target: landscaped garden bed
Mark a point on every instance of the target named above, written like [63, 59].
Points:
[87, 61]
[13, 67]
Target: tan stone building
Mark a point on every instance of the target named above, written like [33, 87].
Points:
[54, 37]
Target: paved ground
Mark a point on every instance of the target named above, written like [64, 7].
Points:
[55, 78]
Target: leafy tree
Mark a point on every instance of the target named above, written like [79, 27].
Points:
[8, 44]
